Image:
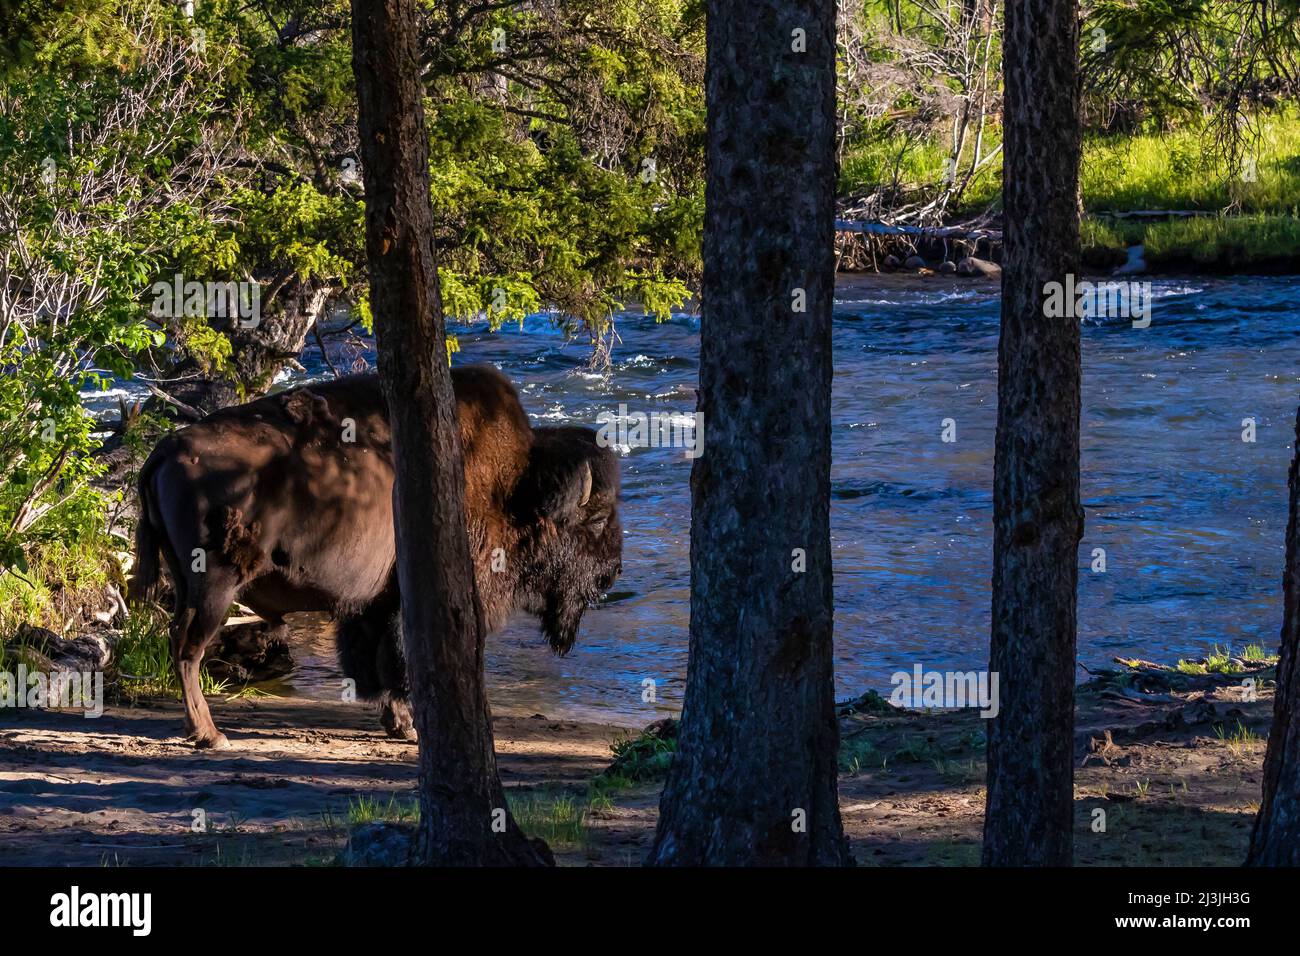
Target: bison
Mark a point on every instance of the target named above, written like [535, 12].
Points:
[285, 504]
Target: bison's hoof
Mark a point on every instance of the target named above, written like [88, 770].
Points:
[215, 741]
[399, 729]
[395, 717]
[403, 733]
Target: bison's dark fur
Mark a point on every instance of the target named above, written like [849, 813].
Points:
[285, 504]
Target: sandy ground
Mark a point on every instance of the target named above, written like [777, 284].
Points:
[1177, 779]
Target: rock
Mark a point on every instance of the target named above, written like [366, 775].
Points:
[665, 729]
[249, 651]
[869, 703]
[890, 262]
[1136, 264]
[970, 266]
[947, 268]
[379, 844]
[914, 262]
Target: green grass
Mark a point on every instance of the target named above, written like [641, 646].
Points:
[1176, 170]
[561, 819]
[1104, 242]
[917, 750]
[1218, 661]
[18, 652]
[1221, 660]
[142, 662]
[961, 772]
[1265, 242]
[60, 580]
[876, 161]
[1256, 654]
[857, 754]
[367, 809]
[1167, 170]
[1239, 740]
[1150, 171]
[643, 757]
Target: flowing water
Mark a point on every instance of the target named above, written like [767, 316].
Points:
[1190, 516]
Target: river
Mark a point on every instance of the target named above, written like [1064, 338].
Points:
[1190, 516]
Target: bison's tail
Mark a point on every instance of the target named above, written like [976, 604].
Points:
[144, 573]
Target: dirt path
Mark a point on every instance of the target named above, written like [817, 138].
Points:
[123, 789]
[1175, 775]
[1177, 781]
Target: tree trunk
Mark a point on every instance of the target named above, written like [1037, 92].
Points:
[754, 779]
[464, 819]
[1038, 521]
[1276, 839]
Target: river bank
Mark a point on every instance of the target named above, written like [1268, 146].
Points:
[1168, 773]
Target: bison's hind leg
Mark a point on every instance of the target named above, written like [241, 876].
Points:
[370, 654]
[194, 627]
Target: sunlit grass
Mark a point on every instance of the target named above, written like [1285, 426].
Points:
[1176, 170]
[1143, 171]
[1225, 242]
[1221, 660]
[59, 582]
[1239, 740]
[143, 658]
[1256, 654]
[561, 819]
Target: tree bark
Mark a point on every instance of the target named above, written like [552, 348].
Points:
[1276, 838]
[754, 778]
[464, 819]
[1038, 521]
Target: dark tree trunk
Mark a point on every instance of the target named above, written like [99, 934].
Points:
[1276, 840]
[754, 779]
[463, 815]
[1037, 518]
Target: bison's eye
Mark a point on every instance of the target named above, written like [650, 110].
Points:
[597, 524]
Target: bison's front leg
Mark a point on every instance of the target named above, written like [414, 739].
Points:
[396, 717]
[370, 654]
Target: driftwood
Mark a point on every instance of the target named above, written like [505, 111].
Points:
[926, 232]
[1154, 214]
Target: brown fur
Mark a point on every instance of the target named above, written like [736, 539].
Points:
[292, 517]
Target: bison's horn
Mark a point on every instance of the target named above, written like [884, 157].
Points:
[586, 484]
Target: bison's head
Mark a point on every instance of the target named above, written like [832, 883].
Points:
[568, 502]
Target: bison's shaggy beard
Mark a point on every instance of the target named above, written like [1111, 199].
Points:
[567, 578]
